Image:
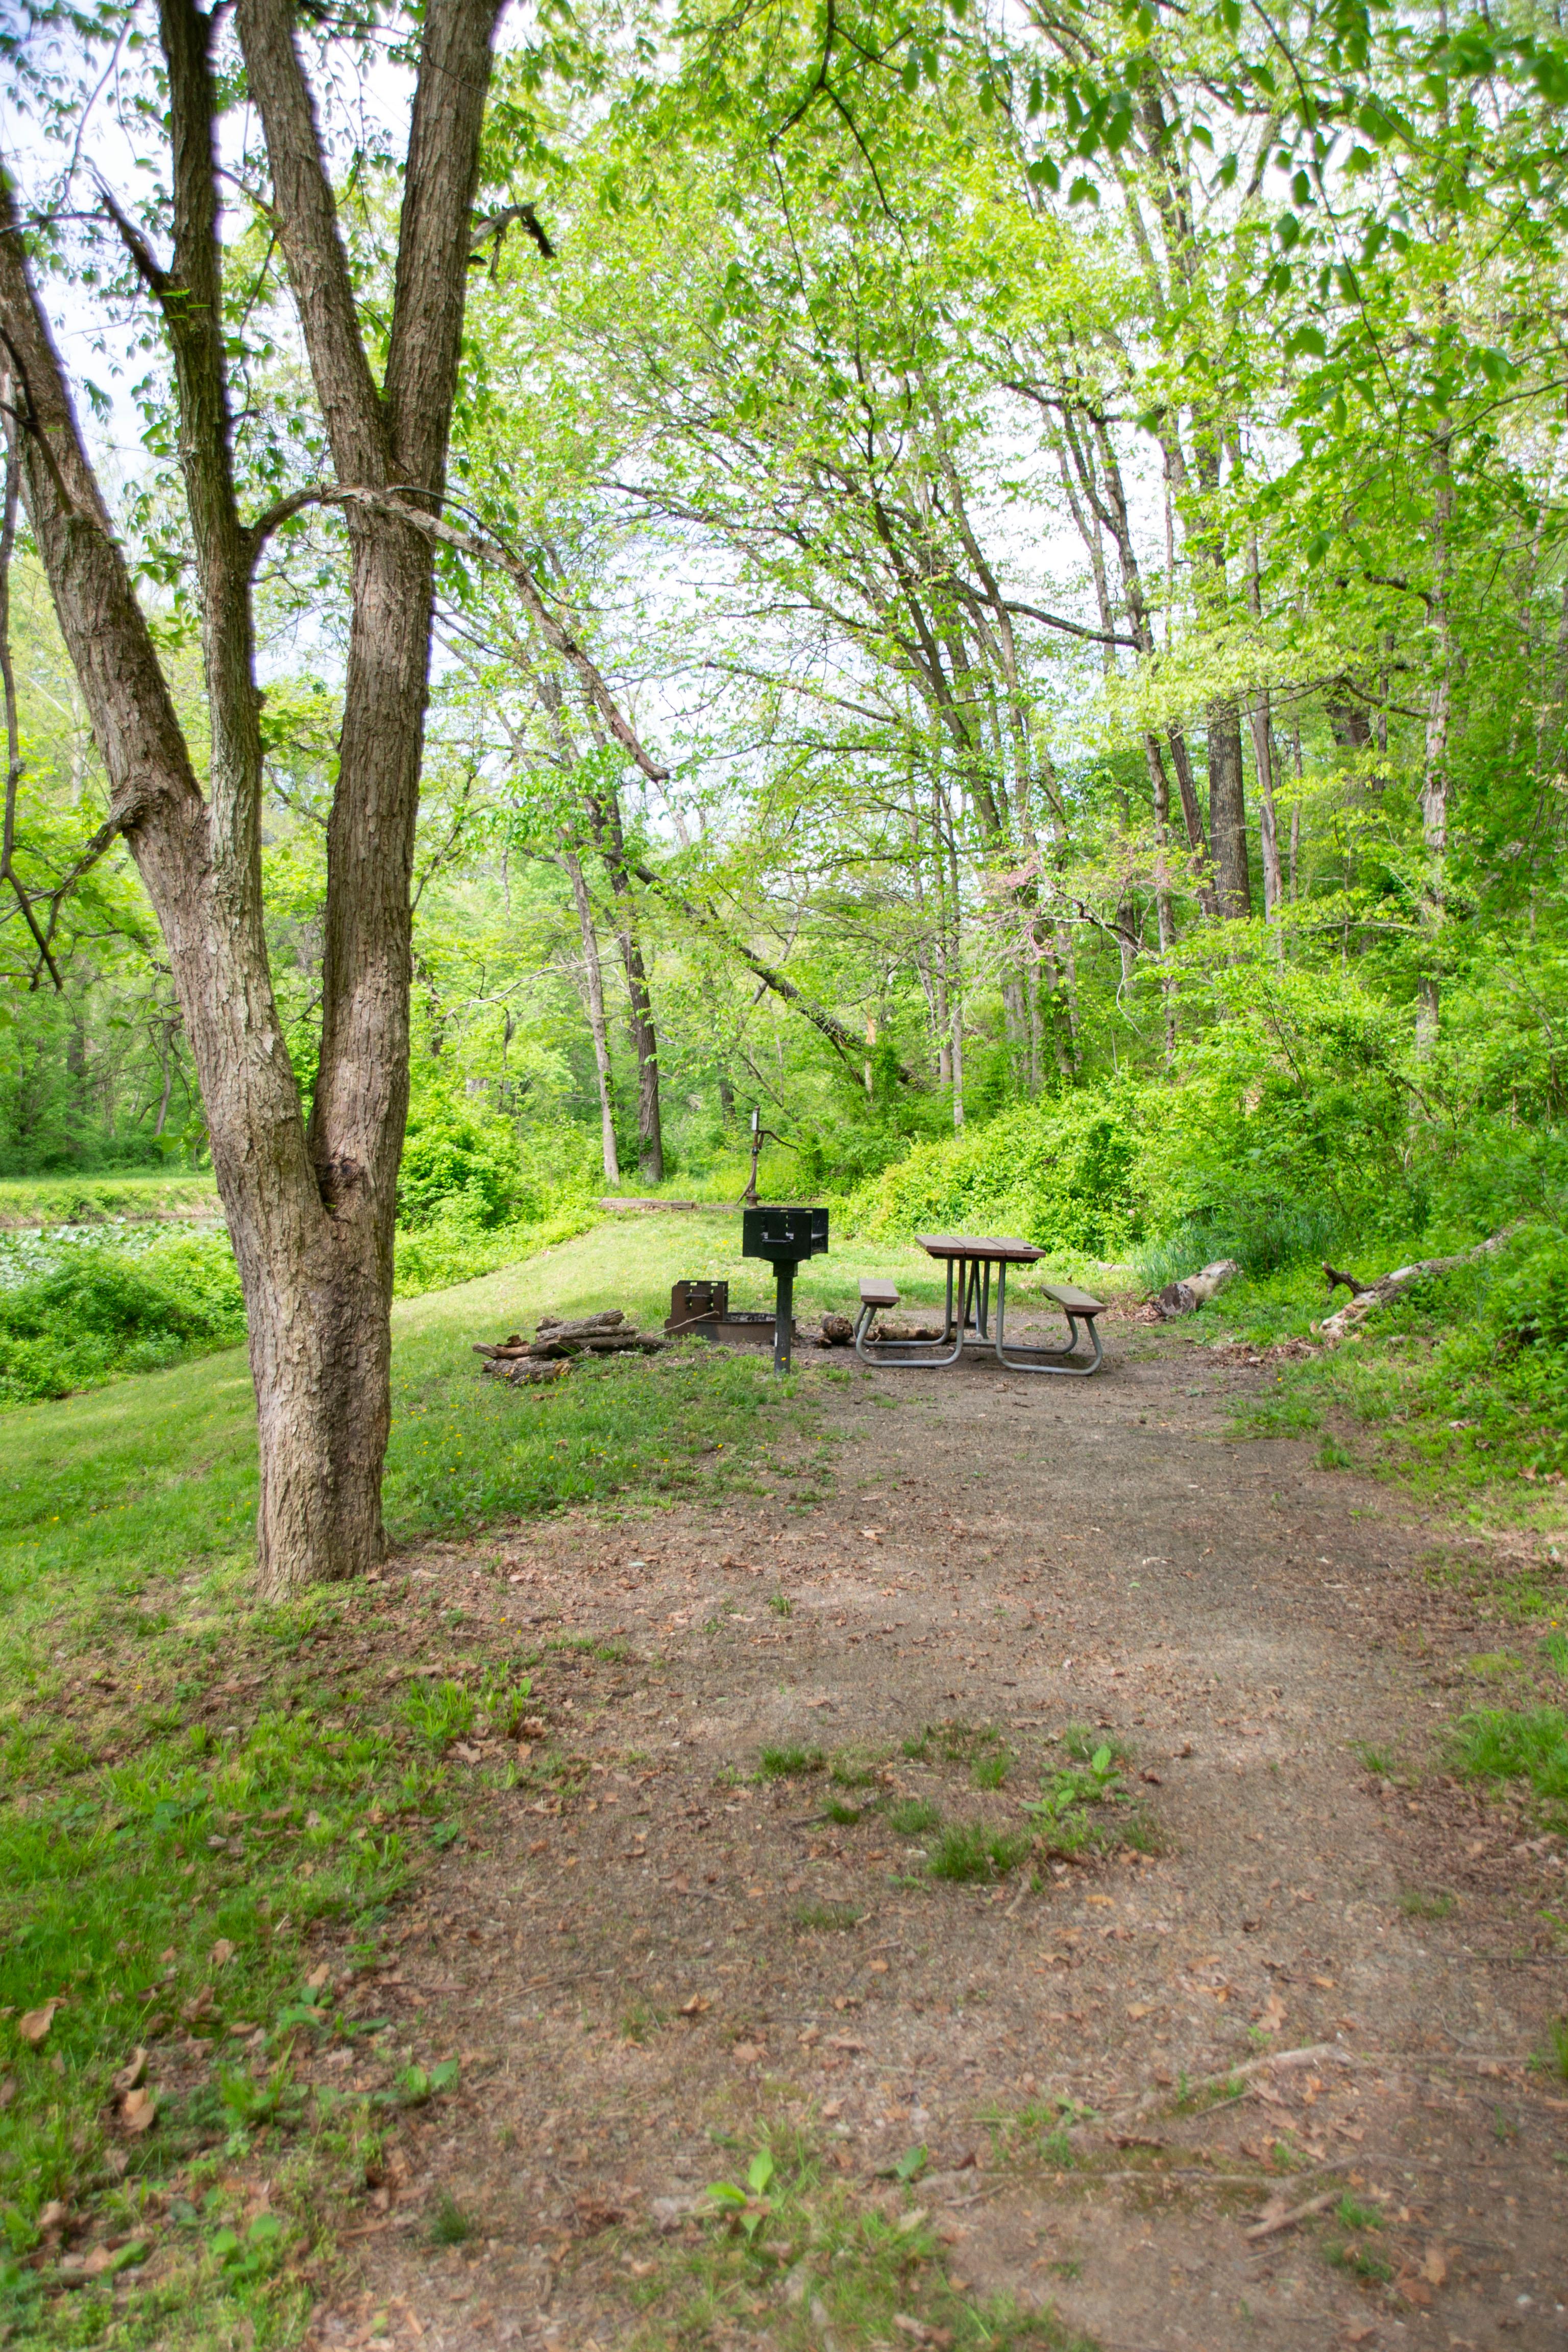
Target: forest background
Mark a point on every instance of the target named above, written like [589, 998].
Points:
[1005, 604]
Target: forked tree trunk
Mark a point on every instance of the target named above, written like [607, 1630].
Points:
[310, 1213]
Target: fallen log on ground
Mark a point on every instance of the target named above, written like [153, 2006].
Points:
[1195, 1290]
[1371, 1294]
[558, 1340]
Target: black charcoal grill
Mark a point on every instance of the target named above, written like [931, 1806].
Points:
[785, 1237]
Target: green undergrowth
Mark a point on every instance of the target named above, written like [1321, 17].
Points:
[100, 1311]
[784, 2247]
[1460, 1384]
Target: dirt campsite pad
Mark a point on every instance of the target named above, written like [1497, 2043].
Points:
[1237, 2054]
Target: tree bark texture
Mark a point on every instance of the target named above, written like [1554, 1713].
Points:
[611, 839]
[1228, 808]
[311, 1210]
[594, 987]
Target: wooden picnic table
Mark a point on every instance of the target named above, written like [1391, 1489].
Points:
[969, 1259]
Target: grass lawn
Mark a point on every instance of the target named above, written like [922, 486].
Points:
[188, 1782]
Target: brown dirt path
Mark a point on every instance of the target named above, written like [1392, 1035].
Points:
[654, 1961]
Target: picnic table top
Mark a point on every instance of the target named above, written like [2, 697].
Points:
[1005, 1247]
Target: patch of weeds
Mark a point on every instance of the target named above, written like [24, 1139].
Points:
[918, 1749]
[449, 2225]
[781, 1604]
[1553, 2060]
[1361, 2262]
[1528, 1744]
[1417, 1905]
[857, 2272]
[1554, 1650]
[439, 1713]
[835, 1809]
[913, 1817]
[990, 1771]
[1039, 2131]
[836, 1915]
[1085, 1745]
[789, 1763]
[1379, 1761]
[1088, 1808]
[1332, 1455]
[1351, 2214]
[853, 1768]
[639, 2019]
[966, 1852]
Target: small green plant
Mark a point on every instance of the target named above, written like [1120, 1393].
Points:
[852, 1769]
[1332, 1455]
[449, 2225]
[781, 1604]
[1086, 1746]
[969, 1851]
[1361, 2262]
[840, 1916]
[415, 2086]
[835, 1809]
[746, 2209]
[439, 1713]
[917, 1747]
[1418, 1905]
[1554, 2061]
[252, 2256]
[789, 1763]
[990, 1771]
[913, 1817]
[1379, 1761]
[1351, 2214]
[1554, 1650]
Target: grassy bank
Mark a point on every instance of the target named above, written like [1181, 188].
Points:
[190, 1782]
[95, 1200]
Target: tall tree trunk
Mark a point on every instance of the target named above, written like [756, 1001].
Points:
[1435, 772]
[311, 1215]
[605, 816]
[1228, 808]
[594, 988]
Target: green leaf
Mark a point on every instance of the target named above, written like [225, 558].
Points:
[759, 2172]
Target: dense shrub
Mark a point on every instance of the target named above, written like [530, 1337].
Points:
[104, 1311]
[1064, 1174]
[461, 1157]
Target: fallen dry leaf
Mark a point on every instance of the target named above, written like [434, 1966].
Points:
[1271, 2016]
[1433, 2267]
[138, 2110]
[130, 2073]
[222, 1952]
[748, 2052]
[318, 1977]
[696, 2005]
[53, 2215]
[1137, 2009]
[98, 2261]
[1324, 1984]
[34, 2023]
